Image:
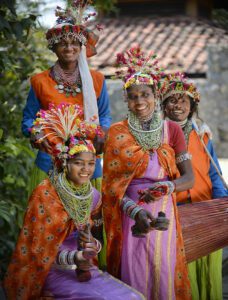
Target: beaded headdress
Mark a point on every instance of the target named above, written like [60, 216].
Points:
[73, 22]
[178, 84]
[65, 131]
[137, 68]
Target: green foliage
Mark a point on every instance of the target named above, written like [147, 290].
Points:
[220, 18]
[105, 6]
[20, 56]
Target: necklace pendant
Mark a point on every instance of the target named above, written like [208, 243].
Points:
[78, 90]
[61, 87]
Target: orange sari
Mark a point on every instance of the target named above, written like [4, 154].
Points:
[46, 225]
[124, 160]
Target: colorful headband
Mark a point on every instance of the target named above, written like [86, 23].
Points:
[72, 22]
[139, 68]
[65, 131]
[177, 84]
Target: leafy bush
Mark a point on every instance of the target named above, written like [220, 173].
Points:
[20, 56]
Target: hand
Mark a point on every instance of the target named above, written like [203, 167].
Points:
[98, 143]
[37, 142]
[143, 222]
[88, 243]
[83, 264]
[156, 191]
[146, 196]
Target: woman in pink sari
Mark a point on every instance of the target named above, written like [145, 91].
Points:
[143, 155]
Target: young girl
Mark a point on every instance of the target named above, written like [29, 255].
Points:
[56, 251]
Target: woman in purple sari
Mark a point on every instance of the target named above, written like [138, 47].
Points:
[56, 253]
[143, 155]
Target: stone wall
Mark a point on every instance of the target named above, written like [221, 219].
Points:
[213, 107]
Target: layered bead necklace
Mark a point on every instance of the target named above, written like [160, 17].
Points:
[77, 200]
[68, 83]
[147, 133]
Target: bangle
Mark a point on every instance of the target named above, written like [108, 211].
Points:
[98, 245]
[79, 256]
[62, 258]
[70, 257]
[135, 211]
[183, 157]
[171, 186]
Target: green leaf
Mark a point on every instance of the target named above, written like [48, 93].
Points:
[1, 133]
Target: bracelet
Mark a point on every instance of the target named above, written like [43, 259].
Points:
[130, 207]
[127, 204]
[183, 157]
[135, 211]
[79, 256]
[98, 245]
[62, 257]
[70, 257]
[171, 186]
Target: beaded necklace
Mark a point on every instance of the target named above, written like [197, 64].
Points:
[149, 133]
[187, 128]
[77, 201]
[68, 83]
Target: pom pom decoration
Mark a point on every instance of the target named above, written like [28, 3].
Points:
[65, 130]
[177, 83]
[137, 67]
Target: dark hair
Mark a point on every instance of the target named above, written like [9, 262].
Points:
[149, 85]
[193, 108]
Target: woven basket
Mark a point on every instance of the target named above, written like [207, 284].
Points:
[204, 227]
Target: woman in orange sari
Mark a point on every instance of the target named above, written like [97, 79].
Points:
[180, 104]
[143, 155]
[55, 256]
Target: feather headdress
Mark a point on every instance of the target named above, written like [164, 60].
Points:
[177, 83]
[137, 67]
[65, 131]
[73, 22]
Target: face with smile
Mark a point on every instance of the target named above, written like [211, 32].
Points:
[81, 168]
[178, 107]
[141, 100]
[67, 50]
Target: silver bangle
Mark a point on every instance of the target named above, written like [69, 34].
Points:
[183, 157]
[70, 257]
[135, 211]
[63, 257]
[98, 245]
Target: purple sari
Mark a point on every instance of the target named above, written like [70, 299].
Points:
[63, 284]
[148, 264]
